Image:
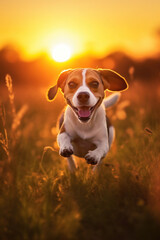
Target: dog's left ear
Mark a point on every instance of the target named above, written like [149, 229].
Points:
[60, 84]
[112, 80]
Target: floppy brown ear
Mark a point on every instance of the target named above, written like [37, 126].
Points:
[62, 78]
[52, 92]
[60, 84]
[112, 80]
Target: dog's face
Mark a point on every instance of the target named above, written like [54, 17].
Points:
[84, 89]
[84, 92]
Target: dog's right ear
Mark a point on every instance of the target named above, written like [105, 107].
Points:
[60, 84]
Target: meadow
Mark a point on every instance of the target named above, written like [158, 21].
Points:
[41, 200]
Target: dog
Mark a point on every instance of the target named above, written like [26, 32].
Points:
[84, 129]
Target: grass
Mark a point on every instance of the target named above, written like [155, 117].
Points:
[40, 199]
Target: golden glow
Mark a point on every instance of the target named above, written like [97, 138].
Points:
[98, 27]
[61, 52]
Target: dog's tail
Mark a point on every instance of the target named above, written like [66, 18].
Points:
[111, 100]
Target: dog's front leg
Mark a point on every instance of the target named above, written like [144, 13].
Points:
[64, 142]
[94, 157]
[66, 150]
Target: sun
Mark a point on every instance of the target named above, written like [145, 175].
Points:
[61, 52]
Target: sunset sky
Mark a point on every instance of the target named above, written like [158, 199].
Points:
[97, 26]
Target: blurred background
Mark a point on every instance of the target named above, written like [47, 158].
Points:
[39, 198]
[40, 38]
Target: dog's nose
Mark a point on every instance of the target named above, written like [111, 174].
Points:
[83, 97]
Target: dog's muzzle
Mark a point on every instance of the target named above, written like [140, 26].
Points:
[83, 113]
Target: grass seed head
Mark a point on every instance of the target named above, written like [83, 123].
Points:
[11, 93]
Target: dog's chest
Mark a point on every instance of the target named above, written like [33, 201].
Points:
[81, 146]
[86, 131]
[97, 126]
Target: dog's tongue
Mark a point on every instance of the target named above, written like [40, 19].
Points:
[84, 112]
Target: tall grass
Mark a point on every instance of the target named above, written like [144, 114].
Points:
[40, 199]
[4, 136]
[10, 133]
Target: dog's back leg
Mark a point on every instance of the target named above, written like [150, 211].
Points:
[71, 164]
[111, 135]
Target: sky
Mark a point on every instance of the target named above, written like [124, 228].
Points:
[98, 26]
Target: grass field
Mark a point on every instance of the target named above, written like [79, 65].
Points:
[41, 200]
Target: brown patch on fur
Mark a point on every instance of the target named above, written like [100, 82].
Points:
[92, 75]
[76, 77]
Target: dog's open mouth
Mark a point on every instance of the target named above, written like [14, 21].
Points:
[84, 112]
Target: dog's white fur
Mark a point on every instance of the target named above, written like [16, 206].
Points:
[91, 140]
[96, 133]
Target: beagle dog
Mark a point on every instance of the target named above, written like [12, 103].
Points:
[84, 129]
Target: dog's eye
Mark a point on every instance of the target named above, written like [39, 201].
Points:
[94, 84]
[72, 85]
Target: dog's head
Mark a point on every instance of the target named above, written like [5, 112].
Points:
[84, 89]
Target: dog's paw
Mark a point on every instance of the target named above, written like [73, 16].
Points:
[66, 152]
[91, 159]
